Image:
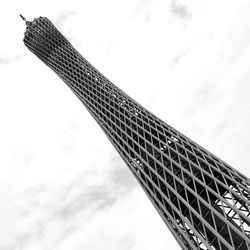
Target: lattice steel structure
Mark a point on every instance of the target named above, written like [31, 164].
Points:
[203, 201]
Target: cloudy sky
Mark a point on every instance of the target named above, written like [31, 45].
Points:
[62, 185]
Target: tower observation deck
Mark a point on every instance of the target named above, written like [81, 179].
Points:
[204, 202]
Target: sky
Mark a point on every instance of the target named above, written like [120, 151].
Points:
[62, 184]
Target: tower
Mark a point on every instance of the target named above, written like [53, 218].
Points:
[204, 202]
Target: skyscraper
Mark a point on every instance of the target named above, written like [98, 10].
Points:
[204, 202]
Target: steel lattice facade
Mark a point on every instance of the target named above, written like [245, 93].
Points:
[204, 202]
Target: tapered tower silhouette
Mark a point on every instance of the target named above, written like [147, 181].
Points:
[204, 202]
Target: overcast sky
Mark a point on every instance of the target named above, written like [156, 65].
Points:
[62, 185]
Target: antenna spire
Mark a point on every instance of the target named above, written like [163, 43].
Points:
[24, 19]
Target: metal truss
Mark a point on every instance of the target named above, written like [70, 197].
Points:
[204, 202]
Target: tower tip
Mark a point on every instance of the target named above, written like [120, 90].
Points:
[24, 19]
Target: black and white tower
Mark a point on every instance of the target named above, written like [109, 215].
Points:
[204, 202]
